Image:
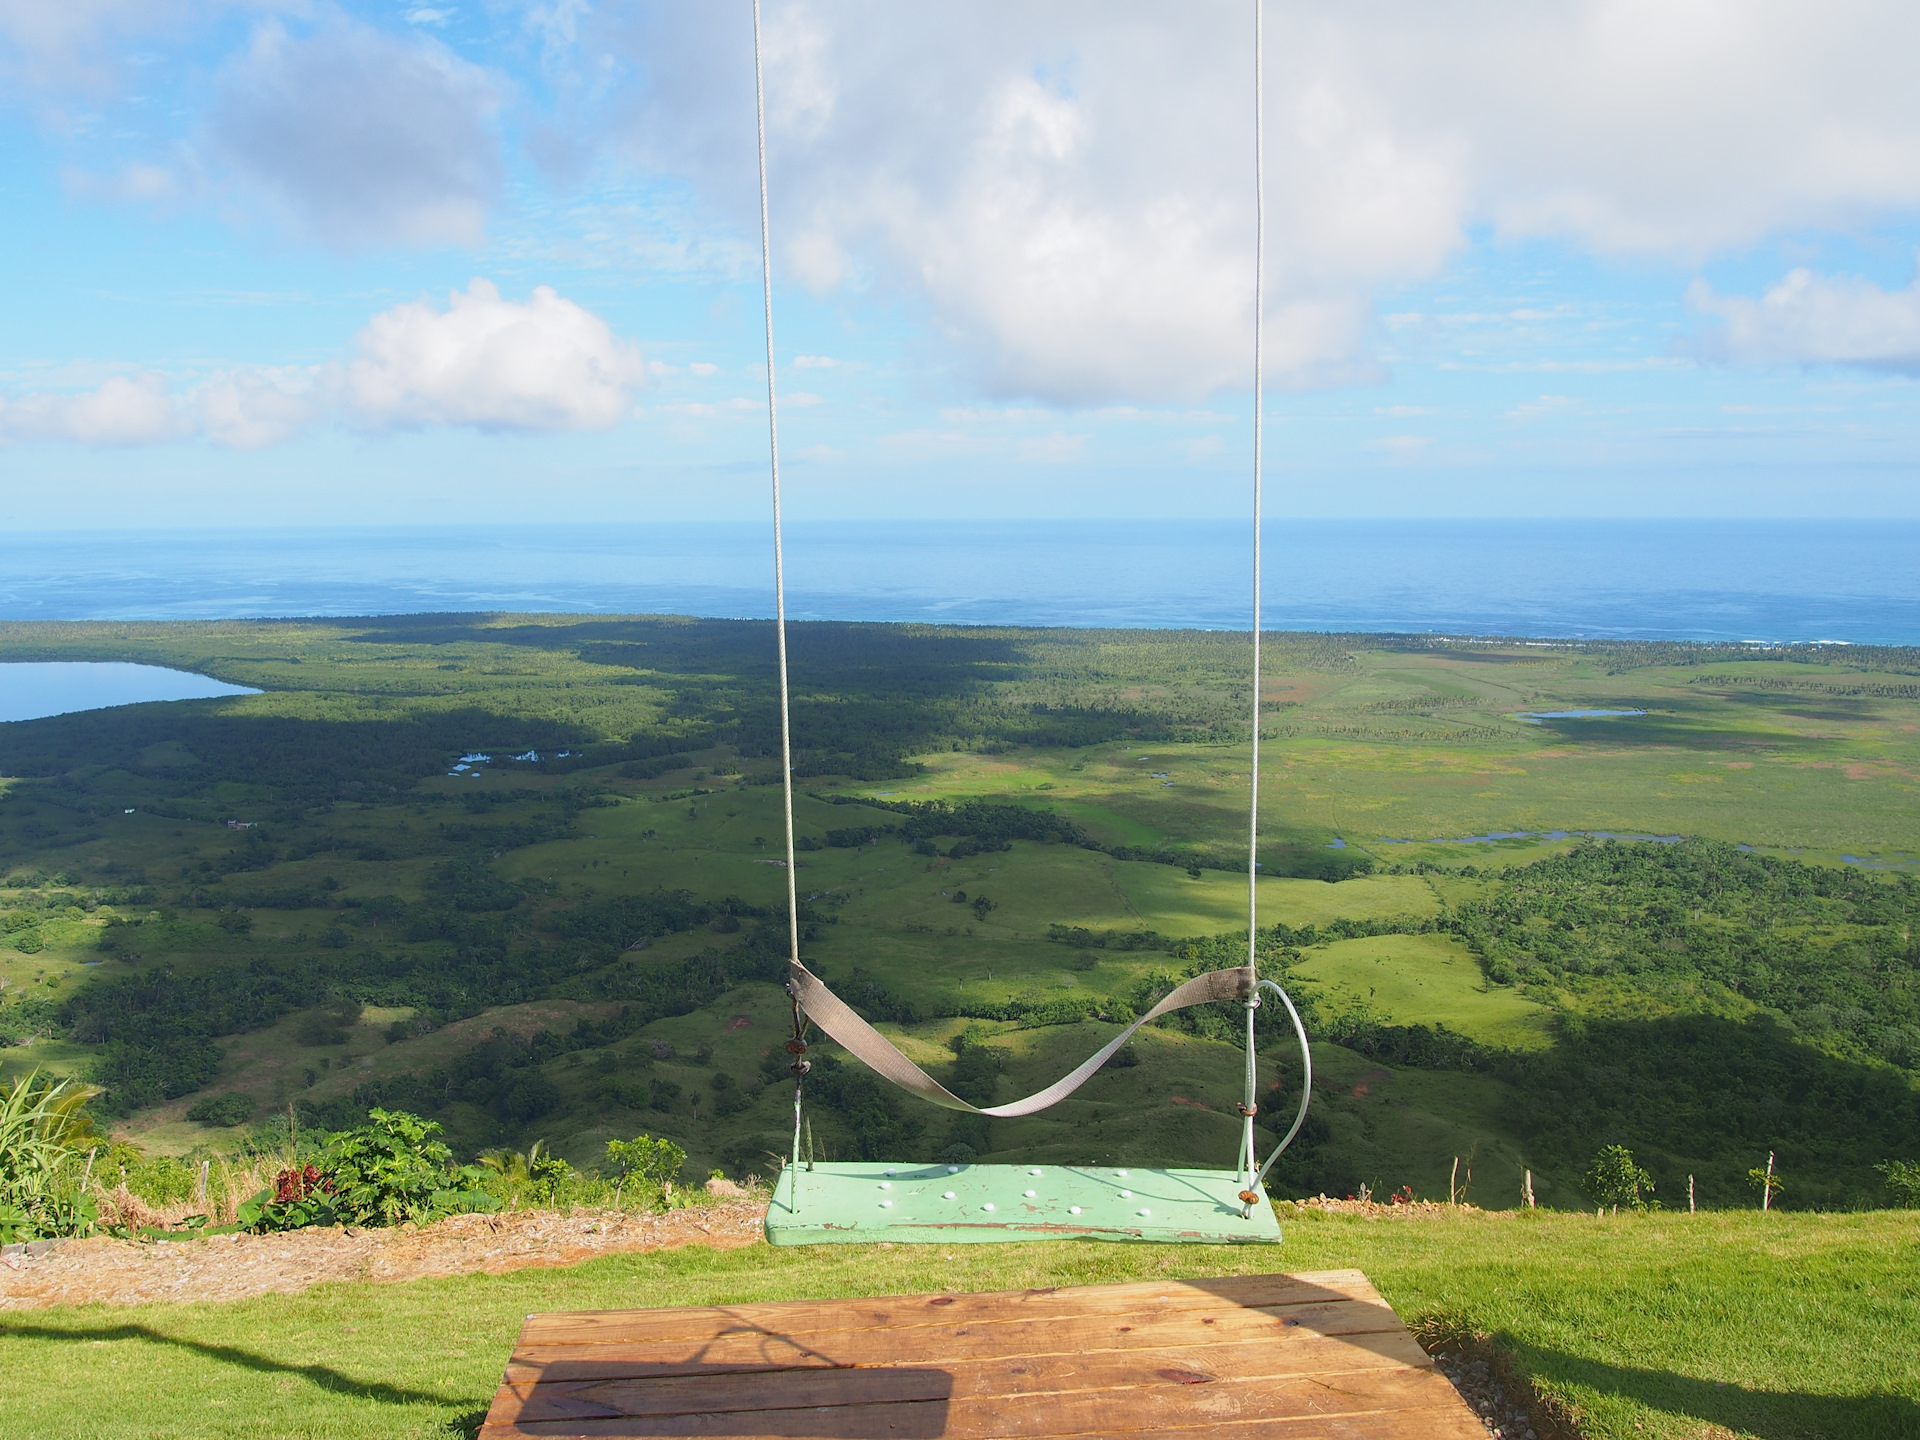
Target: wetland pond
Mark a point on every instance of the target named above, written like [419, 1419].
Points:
[34, 689]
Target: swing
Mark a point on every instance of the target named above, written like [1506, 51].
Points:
[825, 1202]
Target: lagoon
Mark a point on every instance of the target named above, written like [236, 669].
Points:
[33, 689]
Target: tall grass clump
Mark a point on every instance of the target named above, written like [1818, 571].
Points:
[47, 1142]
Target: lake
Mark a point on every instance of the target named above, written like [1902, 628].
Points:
[1614, 579]
[32, 689]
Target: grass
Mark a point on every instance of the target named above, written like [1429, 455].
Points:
[1652, 1326]
[1426, 980]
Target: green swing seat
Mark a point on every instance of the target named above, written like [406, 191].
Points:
[855, 1203]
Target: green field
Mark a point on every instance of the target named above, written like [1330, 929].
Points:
[1666, 1326]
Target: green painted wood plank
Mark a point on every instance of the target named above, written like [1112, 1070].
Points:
[959, 1204]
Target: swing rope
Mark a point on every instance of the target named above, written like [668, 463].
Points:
[797, 1046]
[811, 999]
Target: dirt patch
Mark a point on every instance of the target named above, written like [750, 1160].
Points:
[236, 1267]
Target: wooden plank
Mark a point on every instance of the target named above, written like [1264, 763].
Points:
[1245, 1358]
[1382, 1396]
[1034, 1377]
[938, 1344]
[802, 1317]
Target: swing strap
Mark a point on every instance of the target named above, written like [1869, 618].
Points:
[836, 1017]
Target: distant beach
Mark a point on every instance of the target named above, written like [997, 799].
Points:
[1803, 581]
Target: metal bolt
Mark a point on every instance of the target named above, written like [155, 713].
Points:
[987, 1206]
[1071, 1210]
[947, 1196]
[1030, 1193]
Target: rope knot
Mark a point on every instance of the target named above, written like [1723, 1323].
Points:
[801, 1068]
[1247, 1110]
[1249, 1197]
[796, 1046]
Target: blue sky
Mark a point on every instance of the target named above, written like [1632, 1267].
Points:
[295, 262]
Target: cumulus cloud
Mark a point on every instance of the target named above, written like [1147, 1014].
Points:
[1066, 188]
[495, 364]
[484, 362]
[125, 410]
[1811, 319]
[356, 137]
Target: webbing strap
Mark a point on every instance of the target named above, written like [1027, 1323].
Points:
[836, 1017]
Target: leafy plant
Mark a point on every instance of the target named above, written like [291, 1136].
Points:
[1614, 1179]
[1903, 1178]
[391, 1171]
[654, 1162]
[538, 1170]
[301, 1195]
[43, 1124]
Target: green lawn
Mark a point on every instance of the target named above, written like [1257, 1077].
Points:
[1773, 1327]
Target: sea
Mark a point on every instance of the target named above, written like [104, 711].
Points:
[1854, 582]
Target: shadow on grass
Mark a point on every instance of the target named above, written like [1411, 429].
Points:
[327, 1379]
[1763, 1414]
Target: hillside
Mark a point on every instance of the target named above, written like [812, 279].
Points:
[587, 943]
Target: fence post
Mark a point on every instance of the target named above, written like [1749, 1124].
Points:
[201, 1197]
[1453, 1183]
[1766, 1191]
[1690, 1209]
[1526, 1190]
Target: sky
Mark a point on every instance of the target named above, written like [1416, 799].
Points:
[287, 262]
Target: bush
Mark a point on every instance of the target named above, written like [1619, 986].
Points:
[232, 1108]
[1903, 1178]
[1613, 1179]
[162, 1180]
[391, 1171]
[646, 1161]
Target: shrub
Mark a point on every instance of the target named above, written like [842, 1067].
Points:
[232, 1108]
[391, 1171]
[1613, 1179]
[1903, 1178]
[299, 1196]
[537, 1171]
[646, 1158]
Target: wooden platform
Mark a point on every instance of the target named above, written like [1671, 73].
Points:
[1267, 1355]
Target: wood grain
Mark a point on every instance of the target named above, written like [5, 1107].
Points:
[1244, 1358]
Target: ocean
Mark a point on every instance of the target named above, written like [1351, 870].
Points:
[1852, 581]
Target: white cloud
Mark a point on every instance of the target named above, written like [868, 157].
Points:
[484, 362]
[125, 410]
[1066, 189]
[1813, 320]
[358, 138]
[251, 409]
[546, 364]
[703, 369]
[813, 362]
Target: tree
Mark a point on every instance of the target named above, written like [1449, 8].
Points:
[1614, 1179]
